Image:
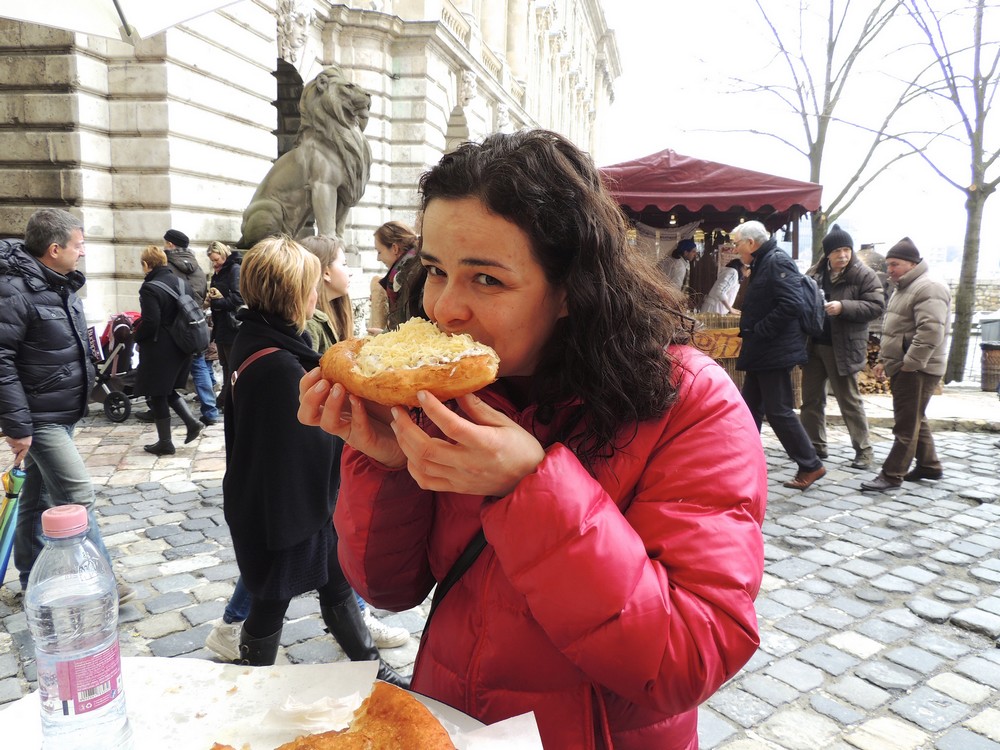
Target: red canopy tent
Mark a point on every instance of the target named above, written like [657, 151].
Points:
[667, 189]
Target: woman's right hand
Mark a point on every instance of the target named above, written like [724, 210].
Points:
[361, 424]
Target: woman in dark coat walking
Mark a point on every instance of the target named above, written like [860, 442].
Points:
[163, 367]
[224, 299]
[282, 477]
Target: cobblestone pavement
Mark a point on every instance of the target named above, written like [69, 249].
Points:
[880, 613]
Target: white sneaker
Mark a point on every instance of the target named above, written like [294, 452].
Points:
[224, 639]
[385, 636]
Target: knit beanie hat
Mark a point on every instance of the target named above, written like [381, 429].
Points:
[176, 237]
[686, 245]
[836, 237]
[904, 250]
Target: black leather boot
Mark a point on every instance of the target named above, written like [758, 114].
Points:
[194, 427]
[164, 445]
[347, 626]
[258, 652]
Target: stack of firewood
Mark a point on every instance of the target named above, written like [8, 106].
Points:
[867, 382]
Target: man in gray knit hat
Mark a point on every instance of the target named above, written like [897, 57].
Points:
[913, 356]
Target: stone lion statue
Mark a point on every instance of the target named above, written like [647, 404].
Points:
[327, 170]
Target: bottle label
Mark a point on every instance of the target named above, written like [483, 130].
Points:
[81, 685]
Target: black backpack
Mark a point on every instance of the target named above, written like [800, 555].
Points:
[813, 314]
[190, 327]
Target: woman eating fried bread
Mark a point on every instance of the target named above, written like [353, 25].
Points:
[615, 472]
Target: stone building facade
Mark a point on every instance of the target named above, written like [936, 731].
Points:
[179, 130]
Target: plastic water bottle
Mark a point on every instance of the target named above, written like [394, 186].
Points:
[72, 607]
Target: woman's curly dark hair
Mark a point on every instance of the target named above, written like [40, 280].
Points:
[608, 354]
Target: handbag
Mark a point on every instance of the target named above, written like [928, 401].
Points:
[246, 363]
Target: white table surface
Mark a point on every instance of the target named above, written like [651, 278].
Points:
[192, 703]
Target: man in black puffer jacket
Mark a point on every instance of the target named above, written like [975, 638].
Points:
[46, 374]
[773, 343]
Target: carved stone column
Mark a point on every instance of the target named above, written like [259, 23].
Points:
[517, 38]
[494, 25]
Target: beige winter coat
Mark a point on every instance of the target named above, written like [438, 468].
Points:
[916, 324]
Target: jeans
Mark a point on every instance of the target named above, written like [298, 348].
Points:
[55, 474]
[238, 607]
[201, 374]
[769, 393]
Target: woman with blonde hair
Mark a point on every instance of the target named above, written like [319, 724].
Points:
[333, 321]
[224, 300]
[163, 367]
[282, 477]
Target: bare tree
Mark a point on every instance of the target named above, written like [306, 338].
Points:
[966, 75]
[813, 95]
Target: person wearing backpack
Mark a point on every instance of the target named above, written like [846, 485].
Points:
[773, 342]
[840, 352]
[163, 366]
[182, 264]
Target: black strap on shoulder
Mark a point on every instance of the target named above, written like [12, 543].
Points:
[476, 545]
[168, 290]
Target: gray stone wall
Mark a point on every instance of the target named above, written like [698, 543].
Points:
[179, 130]
[987, 294]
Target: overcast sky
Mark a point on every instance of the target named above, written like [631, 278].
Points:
[677, 60]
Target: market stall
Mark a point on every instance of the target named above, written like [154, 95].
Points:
[669, 196]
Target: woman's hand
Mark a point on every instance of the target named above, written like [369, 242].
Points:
[488, 453]
[362, 425]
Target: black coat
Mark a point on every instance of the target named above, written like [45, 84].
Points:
[769, 319]
[46, 370]
[281, 476]
[227, 281]
[860, 292]
[163, 367]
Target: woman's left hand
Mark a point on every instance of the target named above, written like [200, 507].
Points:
[488, 453]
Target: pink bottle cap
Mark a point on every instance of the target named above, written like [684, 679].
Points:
[64, 521]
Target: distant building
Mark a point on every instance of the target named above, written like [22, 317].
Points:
[178, 131]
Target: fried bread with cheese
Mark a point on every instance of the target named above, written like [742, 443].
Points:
[388, 719]
[392, 367]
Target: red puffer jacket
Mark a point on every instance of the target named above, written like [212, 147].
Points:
[610, 605]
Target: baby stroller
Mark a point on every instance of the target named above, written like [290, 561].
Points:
[114, 353]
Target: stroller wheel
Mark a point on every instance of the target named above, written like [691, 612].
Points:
[117, 406]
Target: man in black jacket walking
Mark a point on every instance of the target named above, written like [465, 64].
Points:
[46, 375]
[773, 343]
